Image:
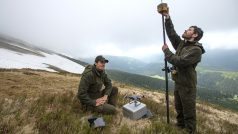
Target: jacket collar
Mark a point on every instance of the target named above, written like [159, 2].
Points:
[187, 43]
[194, 43]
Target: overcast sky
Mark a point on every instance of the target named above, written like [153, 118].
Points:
[85, 28]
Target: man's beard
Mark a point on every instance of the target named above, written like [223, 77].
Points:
[186, 37]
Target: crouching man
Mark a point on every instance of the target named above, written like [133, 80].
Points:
[95, 89]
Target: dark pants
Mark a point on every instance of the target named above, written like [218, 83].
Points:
[110, 106]
[185, 105]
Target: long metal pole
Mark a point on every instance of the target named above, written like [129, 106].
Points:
[166, 75]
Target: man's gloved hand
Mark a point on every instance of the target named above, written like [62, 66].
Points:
[163, 9]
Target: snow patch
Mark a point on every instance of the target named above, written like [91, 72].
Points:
[12, 59]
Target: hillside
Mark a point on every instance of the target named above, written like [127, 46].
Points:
[34, 101]
[219, 87]
[139, 80]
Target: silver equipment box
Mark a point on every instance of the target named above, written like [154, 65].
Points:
[134, 110]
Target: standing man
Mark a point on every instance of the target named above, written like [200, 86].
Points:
[188, 54]
[95, 89]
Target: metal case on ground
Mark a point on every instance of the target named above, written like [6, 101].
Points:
[134, 110]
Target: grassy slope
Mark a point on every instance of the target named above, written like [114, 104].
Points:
[224, 82]
[41, 102]
[228, 74]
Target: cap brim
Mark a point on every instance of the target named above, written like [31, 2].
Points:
[106, 61]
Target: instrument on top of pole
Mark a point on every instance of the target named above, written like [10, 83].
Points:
[163, 8]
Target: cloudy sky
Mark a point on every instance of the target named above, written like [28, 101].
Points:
[85, 28]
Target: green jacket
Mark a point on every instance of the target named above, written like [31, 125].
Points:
[187, 56]
[91, 85]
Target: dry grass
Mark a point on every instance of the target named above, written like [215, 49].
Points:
[33, 101]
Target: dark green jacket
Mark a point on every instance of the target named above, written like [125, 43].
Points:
[91, 84]
[187, 56]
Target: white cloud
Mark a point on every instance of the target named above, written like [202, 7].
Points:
[221, 39]
[108, 49]
[114, 27]
[137, 52]
[144, 51]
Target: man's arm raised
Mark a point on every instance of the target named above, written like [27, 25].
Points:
[173, 36]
